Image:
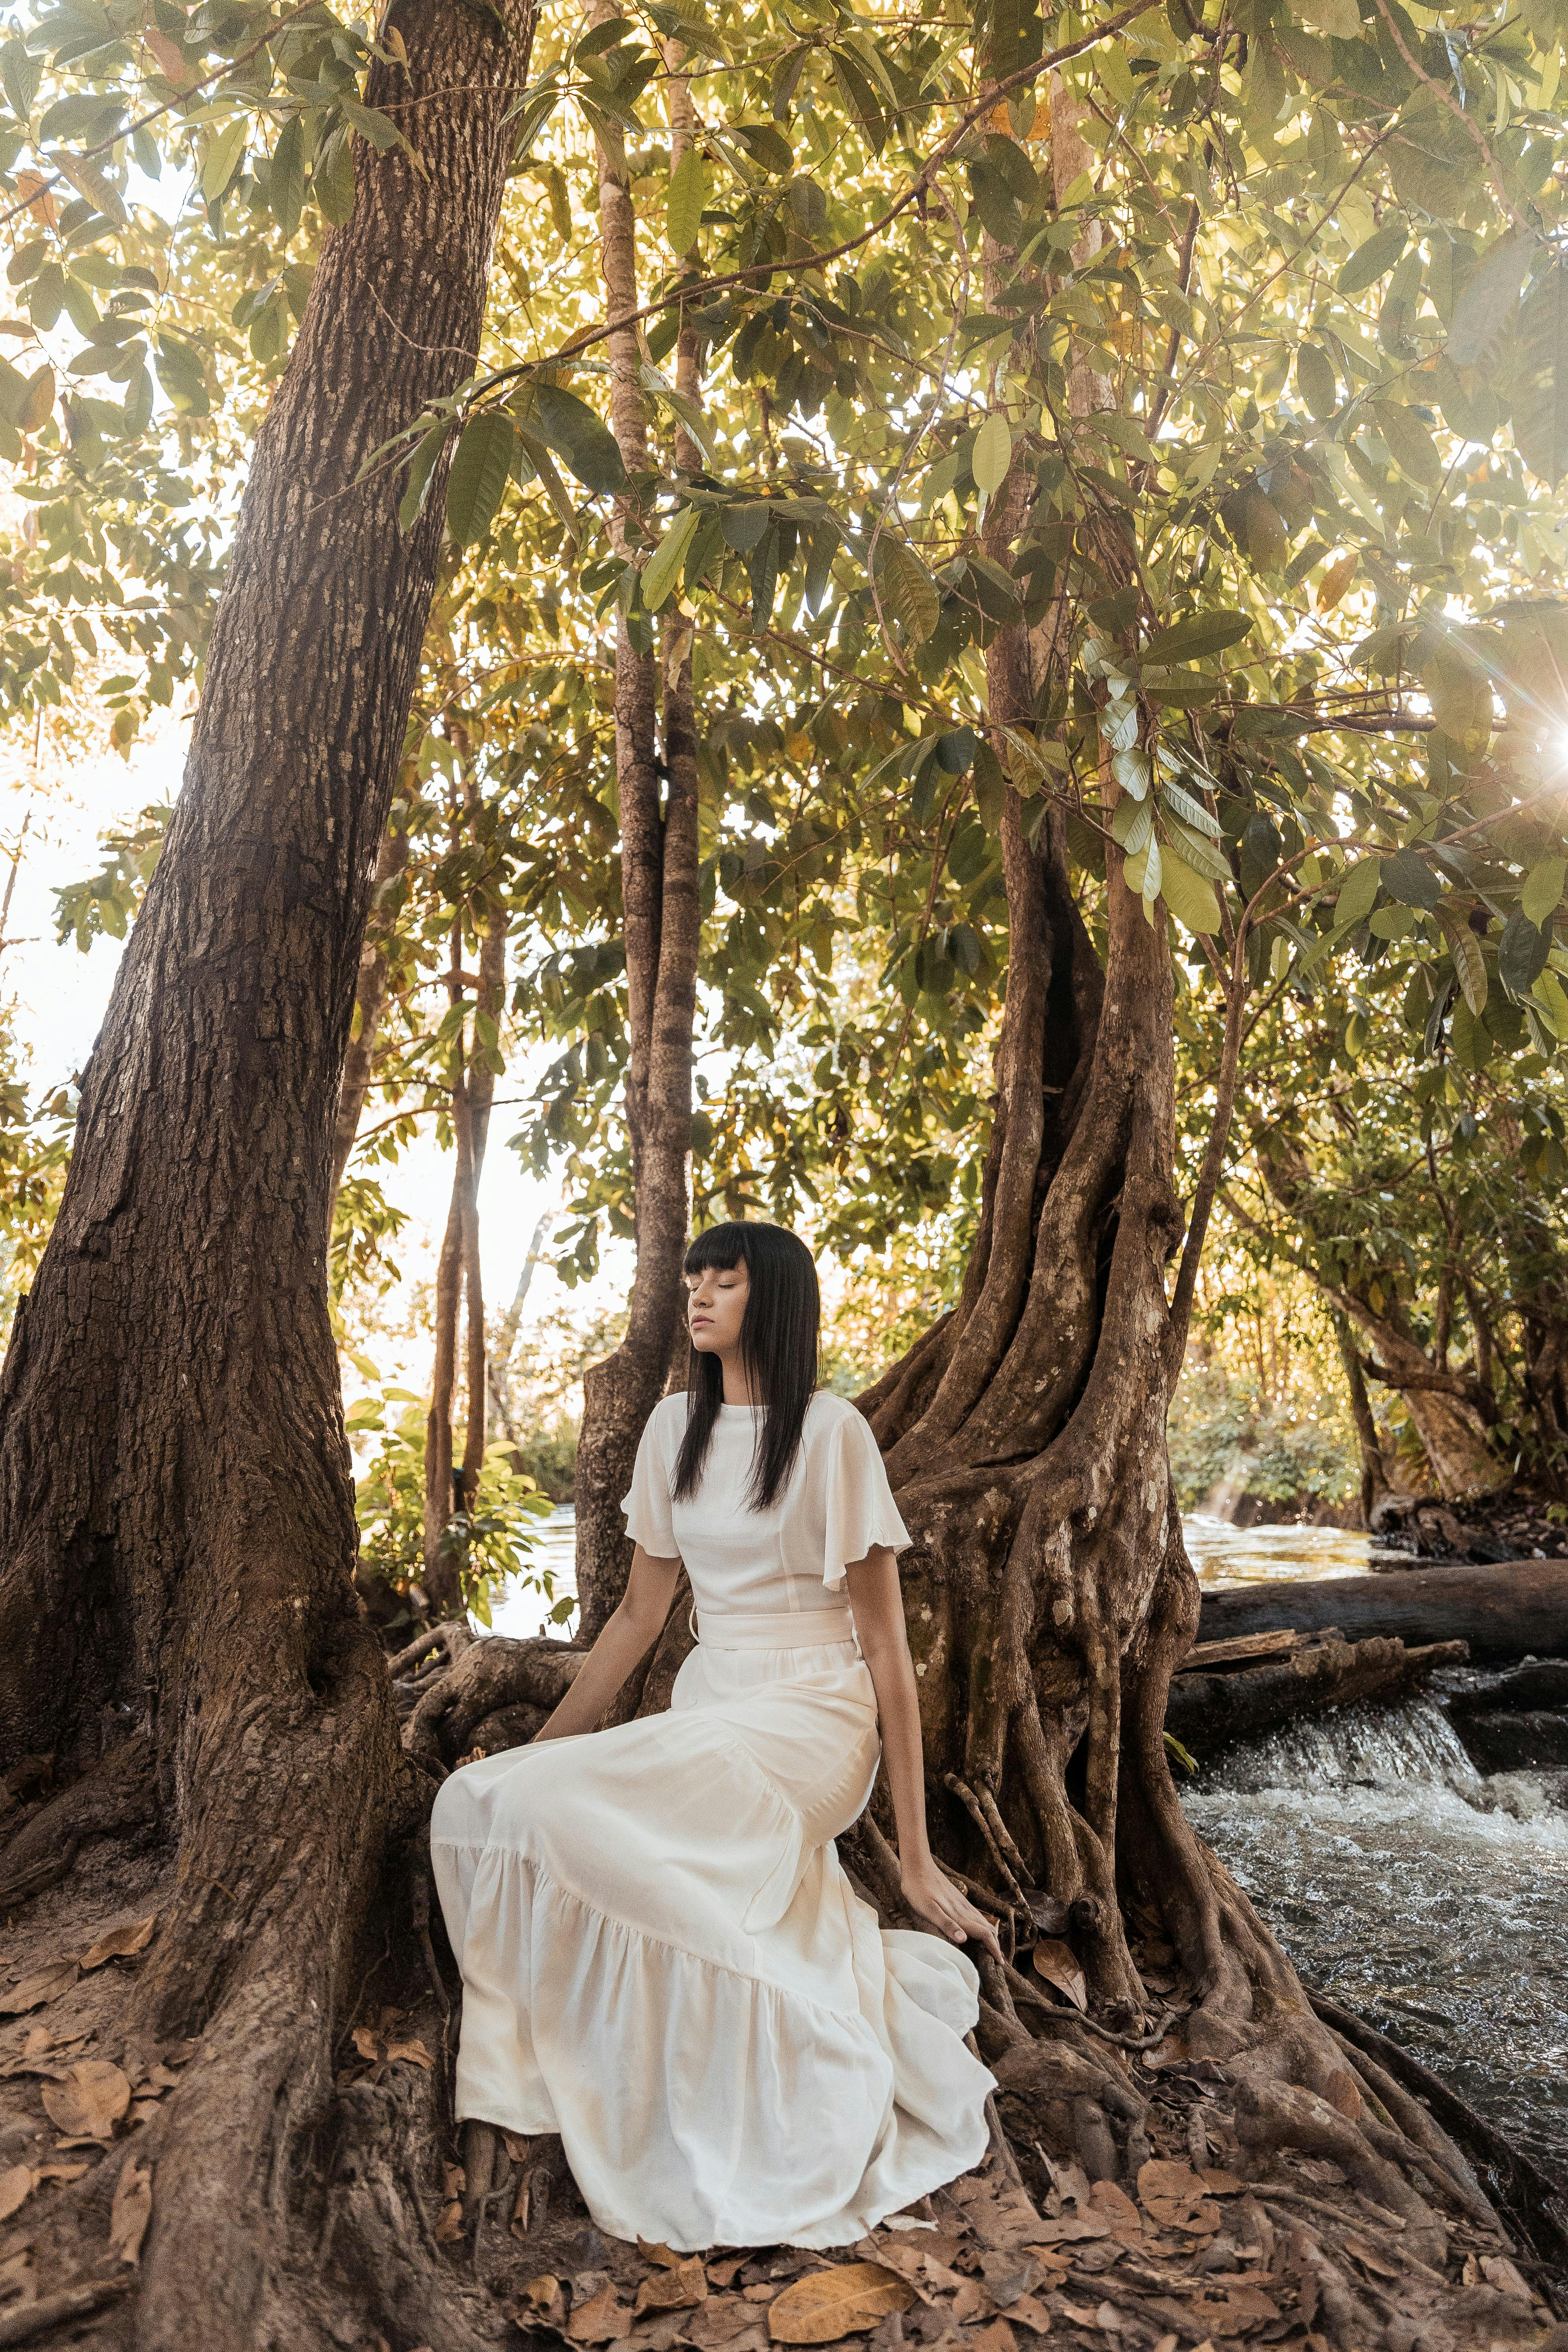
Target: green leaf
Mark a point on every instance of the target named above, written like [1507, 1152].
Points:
[1358, 894]
[39, 407]
[1540, 395]
[90, 180]
[993, 455]
[332, 181]
[478, 479]
[1409, 879]
[1374, 259]
[1315, 377]
[287, 190]
[1203, 633]
[1521, 954]
[663, 567]
[1485, 311]
[859, 93]
[1410, 444]
[224, 158]
[1467, 955]
[425, 451]
[1198, 851]
[1192, 811]
[1189, 898]
[574, 430]
[907, 591]
[686, 195]
[1542, 892]
[21, 76]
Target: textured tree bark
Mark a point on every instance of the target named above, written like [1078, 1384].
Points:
[176, 1513]
[659, 893]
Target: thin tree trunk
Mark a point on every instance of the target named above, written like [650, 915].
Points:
[499, 1372]
[658, 890]
[370, 998]
[177, 1533]
[1374, 1480]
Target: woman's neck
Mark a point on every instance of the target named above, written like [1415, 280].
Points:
[738, 1389]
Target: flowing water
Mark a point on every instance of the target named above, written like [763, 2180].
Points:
[1430, 1898]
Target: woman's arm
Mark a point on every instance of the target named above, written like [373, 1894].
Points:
[879, 1606]
[628, 1634]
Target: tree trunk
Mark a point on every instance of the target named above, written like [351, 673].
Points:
[1375, 1486]
[177, 1511]
[663, 923]
[370, 999]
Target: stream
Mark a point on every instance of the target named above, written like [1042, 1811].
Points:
[1430, 1898]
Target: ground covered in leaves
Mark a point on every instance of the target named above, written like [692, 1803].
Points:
[1183, 2250]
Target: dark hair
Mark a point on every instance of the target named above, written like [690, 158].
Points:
[778, 1351]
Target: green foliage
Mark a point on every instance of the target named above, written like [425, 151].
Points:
[492, 1540]
[1225, 1433]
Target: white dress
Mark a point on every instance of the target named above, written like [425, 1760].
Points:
[662, 1958]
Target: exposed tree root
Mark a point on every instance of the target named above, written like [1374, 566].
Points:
[117, 1793]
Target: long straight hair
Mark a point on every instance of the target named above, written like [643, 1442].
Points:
[778, 1353]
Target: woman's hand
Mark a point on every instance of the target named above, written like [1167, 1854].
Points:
[931, 1895]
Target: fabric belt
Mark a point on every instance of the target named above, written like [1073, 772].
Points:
[773, 1629]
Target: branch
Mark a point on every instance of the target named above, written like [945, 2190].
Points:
[1447, 98]
[1209, 1172]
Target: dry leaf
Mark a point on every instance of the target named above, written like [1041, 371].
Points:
[1501, 2272]
[1167, 2344]
[674, 2290]
[1364, 2255]
[1057, 1963]
[415, 2051]
[1076, 2312]
[719, 2321]
[542, 2291]
[973, 2301]
[516, 2147]
[17, 2273]
[367, 2041]
[1336, 580]
[826, 2304]
[1220, 2184]
[1114, 2206]
[603, 2319]
[723, 2273]
[656, 2250]
[1029, 2311]
[1110, 2318]
[130, 2211]
[35, 193]
[17, 2183]
[449, 2222]
[1242, 2308]
[121, 1943]
[997, 2338]
[90, 2101]
[1009, 2275]
[44, 1984]
[1173, 2194]
[170, 57]
[1067, 2232]
[62, 2171]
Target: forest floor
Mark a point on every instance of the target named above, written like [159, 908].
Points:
[1189, 2252]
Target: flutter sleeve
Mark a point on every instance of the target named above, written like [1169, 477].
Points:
[860, 1510]
[647, 1511]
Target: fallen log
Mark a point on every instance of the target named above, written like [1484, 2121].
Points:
[1520, 1607]
[1208, 1711]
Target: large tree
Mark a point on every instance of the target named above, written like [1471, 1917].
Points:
[176, 1506]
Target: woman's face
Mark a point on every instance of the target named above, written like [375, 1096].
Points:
[716, 1307]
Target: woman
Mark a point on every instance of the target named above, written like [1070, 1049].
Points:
[662, 1958]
